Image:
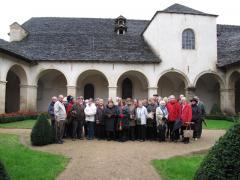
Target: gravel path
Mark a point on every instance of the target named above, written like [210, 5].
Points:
[114, 160]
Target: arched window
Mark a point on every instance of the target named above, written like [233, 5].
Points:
[188, 39]
[126, 88]
[88, 91]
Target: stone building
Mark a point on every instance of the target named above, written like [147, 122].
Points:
[179, 51]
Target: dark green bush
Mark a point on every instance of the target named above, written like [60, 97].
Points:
[3, 172]
[223, 160]
[41, 133]
[215, 110]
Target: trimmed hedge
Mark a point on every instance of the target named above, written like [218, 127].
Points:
[223, 160]
[222, 117]
[3, 172]
[19, 116]
[42, 132]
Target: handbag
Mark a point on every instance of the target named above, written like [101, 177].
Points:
[188, 132]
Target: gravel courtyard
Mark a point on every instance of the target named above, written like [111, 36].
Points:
[110, 160]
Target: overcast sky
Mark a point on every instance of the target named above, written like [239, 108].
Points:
[22, 10]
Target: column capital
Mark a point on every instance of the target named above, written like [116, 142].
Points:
[28, 86]
[153, 87]
[3, 82]
[69, 86]
[112, 87]
[226, 90]
[190, 88]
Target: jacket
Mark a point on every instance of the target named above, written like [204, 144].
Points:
[186, 113]
[196, 113]
[100, 115]
[90, 112]
[141, 114]
[77, 112]
[110, 115]
[59, 111]
[161, 115]
[174, 109]
[51, 110]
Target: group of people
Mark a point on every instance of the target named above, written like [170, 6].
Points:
[156, 118]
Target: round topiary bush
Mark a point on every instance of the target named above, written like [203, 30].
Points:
[41, 133]
[223, 160]
[3, 173]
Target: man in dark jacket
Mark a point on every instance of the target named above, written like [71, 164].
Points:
[51, 114]
[151, 122]
[203, 113]
[100, 131]
[77, 115]
[196, 117]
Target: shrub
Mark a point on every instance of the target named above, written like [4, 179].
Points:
[215, 110]
[17, 116]
[41, 133]
[3, 172]
[223, 160]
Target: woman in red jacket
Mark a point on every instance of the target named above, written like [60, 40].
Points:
[186, 117]
[174, 109]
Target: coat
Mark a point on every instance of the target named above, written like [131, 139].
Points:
[90, 111]
[110, 115]
[186, 113]
[59, 111]
[51, 110]
[100, 116]
[77, 112]
[174, 109]
[124, 118]
[151, 108]
[141, 115]
[132, 112]
[196, 113]
[161, 116]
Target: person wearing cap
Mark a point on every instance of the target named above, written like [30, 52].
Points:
[90, 112]
[77, 116]
[161, 120]
[174, 109]
[196, 117]
[203, 113]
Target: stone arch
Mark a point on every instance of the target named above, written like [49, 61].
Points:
[139, 81]
[50, 82]
[234, 86]
[172, 82]
[208, 85]
[97, 79]
[16, 97]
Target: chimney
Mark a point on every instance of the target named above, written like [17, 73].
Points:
[17, 32]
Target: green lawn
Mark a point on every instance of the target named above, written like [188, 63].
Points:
[178, 168]
[217, 124]
[26, 124]
[23, 163]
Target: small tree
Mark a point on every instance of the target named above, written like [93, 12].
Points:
[3, 172]
[223, 160]
[41, 133]
[215, 110]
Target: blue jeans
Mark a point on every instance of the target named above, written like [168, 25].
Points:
[90, 130]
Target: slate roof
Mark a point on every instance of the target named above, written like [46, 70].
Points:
[84, 39]
[228, 45]
[181, 9]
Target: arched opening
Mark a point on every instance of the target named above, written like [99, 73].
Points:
[132, 84]
[234, 84]
[88, 91]
[172, 83]
[126, 88]
[92, 83]
[50, 83]
[208, 90]
[15, 99]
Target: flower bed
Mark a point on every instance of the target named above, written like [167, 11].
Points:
[17, 116]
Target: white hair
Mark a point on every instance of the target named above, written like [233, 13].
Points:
[162, 102]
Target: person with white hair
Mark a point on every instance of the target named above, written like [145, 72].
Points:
[60, 117]
[161, 120]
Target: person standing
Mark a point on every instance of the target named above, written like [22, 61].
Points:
[132, 122]
[52, 116]
[141, 115]
[123, 123]
[161, 120]
[196, 117]
[151, 120]
[60, 117]
[77, 115]
[68, 124]
[173, 108]
[186, 117]
[90, 112]
[110, 114]
[201, 105]
[100, 131]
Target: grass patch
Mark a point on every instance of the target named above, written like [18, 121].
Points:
[181, 167]
[218, 124]
[24, 163]
[26, 124]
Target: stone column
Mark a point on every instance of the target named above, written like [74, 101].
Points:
[227, 101]
[28, 98]
[72, 90]
[190, 92]
[2, 96]
[152, 91]
[112, 92]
